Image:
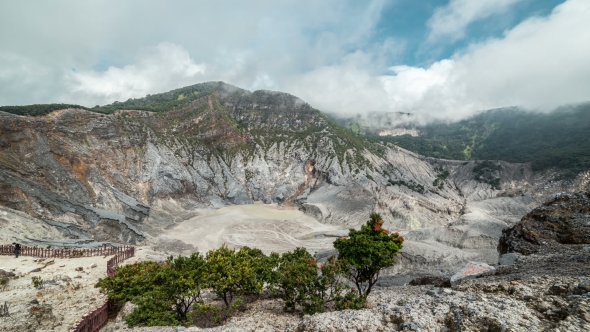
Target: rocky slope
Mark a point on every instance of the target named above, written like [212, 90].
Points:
[563, 220]
[81, 176]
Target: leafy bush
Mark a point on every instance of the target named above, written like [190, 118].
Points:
[4, 283]
[488, 172]
[169, 293]
[367, 252]
[440, 177]
[231, 273]
[300, 282]
[410, 185]
[163, 292]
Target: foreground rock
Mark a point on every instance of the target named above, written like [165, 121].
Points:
[498, 304]
[508, 259]
[539, 292]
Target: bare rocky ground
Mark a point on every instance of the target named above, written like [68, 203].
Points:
[65, 296]
[541, 284]
[67, 293]
[76, 177]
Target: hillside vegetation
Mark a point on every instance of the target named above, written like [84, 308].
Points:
[37, 109]
[559, 139]
[161, 102]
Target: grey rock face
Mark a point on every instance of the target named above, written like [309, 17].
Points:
[508, 259]
[565, 219]
[584, 286]
[324, 254]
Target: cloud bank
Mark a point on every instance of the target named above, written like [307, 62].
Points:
[540, 64]
[156, 70]
[325, 52]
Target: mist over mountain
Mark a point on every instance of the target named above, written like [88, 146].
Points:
[446, 61]
[558, 139]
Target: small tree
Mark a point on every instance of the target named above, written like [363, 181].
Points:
[368, 251]
[299, 281]
[181, 282]
[231, 273]
[164, 293]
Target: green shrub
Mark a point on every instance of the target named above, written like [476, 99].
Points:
[300, 282]
[367, 252]
[4, 283]
[163, 292]
[152, 310]
[231, 273]
[169, 293]
[37, 282]
[486, 172]
[129, 281]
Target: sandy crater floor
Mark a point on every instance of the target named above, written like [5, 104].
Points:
[268, 227]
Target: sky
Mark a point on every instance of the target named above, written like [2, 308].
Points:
[438, 59]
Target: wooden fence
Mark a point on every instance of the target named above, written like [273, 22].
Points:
[95, 320]
[119, 258]
[64, 252]
[98, 318]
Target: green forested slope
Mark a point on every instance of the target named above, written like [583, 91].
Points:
[160, 102]
[37, 109]
[559, 139]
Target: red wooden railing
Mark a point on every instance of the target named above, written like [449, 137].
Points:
[95, 320]
[63, 252]
[98, 318]
[119, 258]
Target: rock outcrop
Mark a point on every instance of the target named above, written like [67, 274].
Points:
[563, 220]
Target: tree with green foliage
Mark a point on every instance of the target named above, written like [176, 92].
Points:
[367, 252]
[301, 282]
[231, 273]
[163, 292]
[168, 293]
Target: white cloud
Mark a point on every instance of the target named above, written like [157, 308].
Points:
[323, 52]
[162, 68]
[251, 44]
[340, 89]
[540, 64]
[450, 21]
